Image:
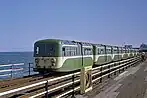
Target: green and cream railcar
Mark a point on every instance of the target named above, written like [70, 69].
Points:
[104, 54]
[82, 58]
[120, 53]
[62, 55]
[134, 52]
[109, 53]
[46, 55]
[115, 53]
[125, 55]
[65, 56]
[130, 53]
[100, 56]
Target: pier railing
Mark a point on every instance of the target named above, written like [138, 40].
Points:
[10, 70]
[70, 84]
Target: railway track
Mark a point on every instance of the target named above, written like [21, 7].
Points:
[59, 85]
[15, 83]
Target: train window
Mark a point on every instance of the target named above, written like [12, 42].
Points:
[98, 51]
[127, 51]
[37, 50]
[124, 50]
[111, 51]
[69, 51]
[73, 51]
[45, 50]
[114, 51]
[87, 51]
[108, 51]
[121, 50]
[77, 51]
[63, 49]
[102, 51]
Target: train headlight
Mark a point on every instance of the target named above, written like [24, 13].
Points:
[36, 60]
[53, 60]
[53, 64]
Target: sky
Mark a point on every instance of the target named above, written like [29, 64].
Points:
[113, 22]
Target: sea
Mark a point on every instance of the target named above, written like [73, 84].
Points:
[16, 60]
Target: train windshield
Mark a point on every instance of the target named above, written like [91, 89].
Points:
[44, 50]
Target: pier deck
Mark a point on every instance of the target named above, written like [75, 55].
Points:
[131, 83]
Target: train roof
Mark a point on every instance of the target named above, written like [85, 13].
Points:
[48, 40]
[68, 42]
[108, 45]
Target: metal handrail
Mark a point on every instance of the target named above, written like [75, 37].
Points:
[36, 84]
[13, 67]
[12, 64]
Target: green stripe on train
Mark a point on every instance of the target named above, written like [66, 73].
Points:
[103, 60]
[76, 63]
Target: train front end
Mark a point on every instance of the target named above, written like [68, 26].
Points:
[46, 53]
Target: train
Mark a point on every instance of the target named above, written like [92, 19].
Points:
[65, 56]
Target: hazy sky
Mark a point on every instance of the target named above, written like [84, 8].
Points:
[22, 22]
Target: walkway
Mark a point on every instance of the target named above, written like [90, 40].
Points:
[132, 83]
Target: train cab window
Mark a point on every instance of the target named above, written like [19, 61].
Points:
[44, 50]
[37, 50]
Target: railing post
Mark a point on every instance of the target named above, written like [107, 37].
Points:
[11, 71]
[101, 74]
[46, 89]
[120, 70]
[115, 69]
[29, 68]
[109, 71]
[73, 93]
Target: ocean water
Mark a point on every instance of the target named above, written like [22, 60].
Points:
[15, 58]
